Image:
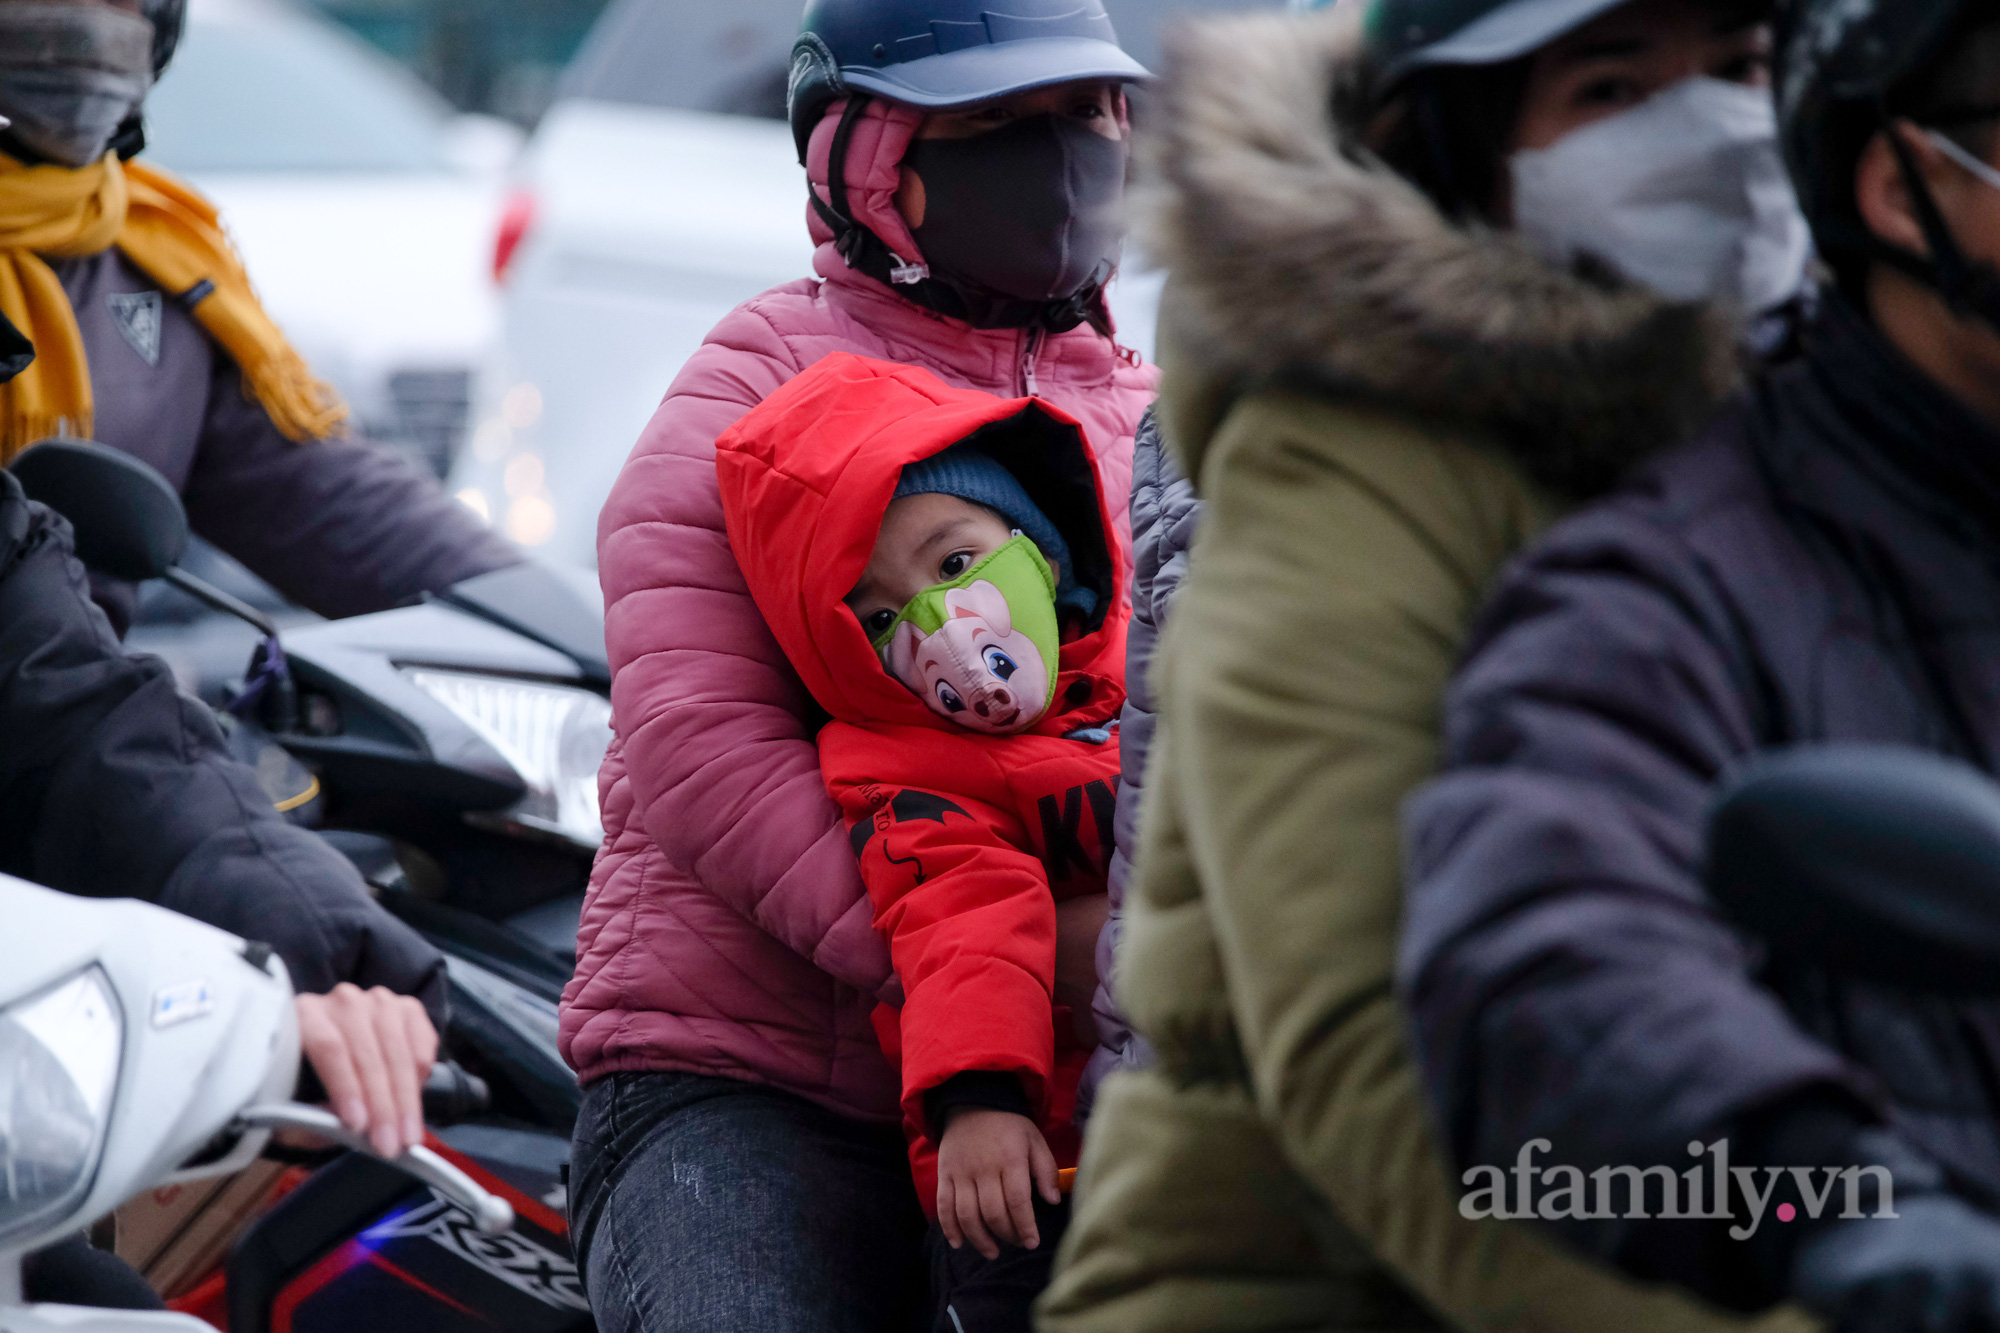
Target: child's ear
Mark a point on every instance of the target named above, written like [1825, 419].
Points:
[903, 655]
[983, 600]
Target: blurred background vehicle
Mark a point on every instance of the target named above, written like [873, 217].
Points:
[661, 189]
[365, 207]
[362, 203]
[502, 57]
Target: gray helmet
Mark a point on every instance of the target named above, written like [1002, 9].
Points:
[938, 54]
[1845, 72]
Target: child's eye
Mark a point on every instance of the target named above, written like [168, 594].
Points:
[955, 564]
[878, 623]
[1000, 664]
[949, 698]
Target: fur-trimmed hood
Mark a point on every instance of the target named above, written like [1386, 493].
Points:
[1298, 257]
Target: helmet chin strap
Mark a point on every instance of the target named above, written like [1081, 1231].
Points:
[1970, 288]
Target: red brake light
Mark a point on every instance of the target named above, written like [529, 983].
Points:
[516, 216]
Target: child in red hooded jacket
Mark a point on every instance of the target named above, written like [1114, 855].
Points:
[942, 571]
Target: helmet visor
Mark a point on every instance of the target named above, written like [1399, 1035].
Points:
[1509, 32]
[982, 73]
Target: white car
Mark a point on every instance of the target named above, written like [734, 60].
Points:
[662, 190]
[364, 208]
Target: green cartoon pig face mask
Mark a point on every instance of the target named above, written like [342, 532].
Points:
[981, 650]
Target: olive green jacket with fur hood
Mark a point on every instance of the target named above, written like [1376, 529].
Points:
[1378, 408]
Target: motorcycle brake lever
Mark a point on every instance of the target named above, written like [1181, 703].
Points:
[490, 1213]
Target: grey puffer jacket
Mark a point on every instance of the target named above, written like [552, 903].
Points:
[340, 526]
[1164, 514]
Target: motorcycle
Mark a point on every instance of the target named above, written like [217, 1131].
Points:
[450, 750]
[142, 1048]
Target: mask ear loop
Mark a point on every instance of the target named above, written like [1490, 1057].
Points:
[1966, 287]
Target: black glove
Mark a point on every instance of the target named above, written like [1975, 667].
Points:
[1934, 1268]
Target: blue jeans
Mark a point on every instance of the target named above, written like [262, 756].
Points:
[701, 1204]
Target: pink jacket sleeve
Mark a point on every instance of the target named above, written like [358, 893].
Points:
[709, 713]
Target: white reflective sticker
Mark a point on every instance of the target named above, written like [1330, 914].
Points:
[183, 1003]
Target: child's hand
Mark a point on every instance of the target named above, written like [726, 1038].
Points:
[988, 1164]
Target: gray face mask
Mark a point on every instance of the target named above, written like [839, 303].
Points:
[70, 75]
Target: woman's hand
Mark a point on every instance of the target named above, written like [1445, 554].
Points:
[372, 1050]
[989, 1163]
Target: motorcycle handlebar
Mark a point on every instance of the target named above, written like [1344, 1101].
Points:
[490, 1213]
[450, 1093]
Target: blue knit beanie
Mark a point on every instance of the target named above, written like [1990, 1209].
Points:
[970, 473]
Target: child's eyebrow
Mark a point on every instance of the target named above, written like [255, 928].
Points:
[943, 532]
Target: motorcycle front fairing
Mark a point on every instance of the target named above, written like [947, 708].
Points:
[130, 1040]
[437, 704]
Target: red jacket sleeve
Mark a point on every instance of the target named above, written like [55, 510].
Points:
[971, 927]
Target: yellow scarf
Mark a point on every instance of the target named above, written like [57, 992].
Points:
[172, 235]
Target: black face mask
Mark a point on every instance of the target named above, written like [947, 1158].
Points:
[1032, 212]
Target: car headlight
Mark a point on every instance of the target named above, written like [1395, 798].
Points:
[59, 1054]
[553, 735]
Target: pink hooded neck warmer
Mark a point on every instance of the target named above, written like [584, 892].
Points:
[874, 161]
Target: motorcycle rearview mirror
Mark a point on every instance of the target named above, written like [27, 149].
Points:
[1872, 861]
[129, 524]
[128, 519]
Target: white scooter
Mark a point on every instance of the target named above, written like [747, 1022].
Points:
[140, 1048]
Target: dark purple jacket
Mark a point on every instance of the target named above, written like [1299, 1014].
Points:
[113, 784]
[1823, 566]
[340, 526]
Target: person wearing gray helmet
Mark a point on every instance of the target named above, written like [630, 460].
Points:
[1439, 271]
[1818, 568]
[737, 1161]
[150, 338]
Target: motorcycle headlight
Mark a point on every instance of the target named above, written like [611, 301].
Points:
[59, 1054]
[553, 735]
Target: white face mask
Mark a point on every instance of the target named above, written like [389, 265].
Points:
[1685, 193]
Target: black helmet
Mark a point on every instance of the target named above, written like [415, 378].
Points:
[1404, 36]
[169, 19]
[938, 54]
[1846, 72]
[1455, 65]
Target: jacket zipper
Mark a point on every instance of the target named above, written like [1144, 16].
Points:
[1031, 344]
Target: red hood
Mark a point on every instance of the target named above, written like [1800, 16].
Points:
[808, 475]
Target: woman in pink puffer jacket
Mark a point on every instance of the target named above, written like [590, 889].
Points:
[737, 1161]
